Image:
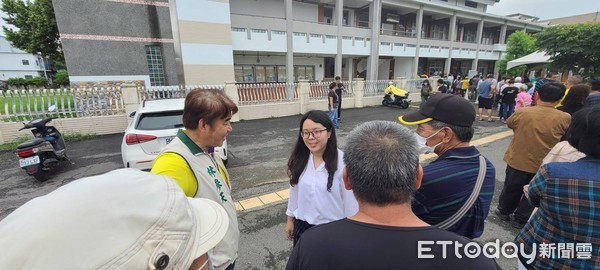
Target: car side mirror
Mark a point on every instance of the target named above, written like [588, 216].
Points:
[132, 114]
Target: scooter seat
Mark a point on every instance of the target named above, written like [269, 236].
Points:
[30, 143]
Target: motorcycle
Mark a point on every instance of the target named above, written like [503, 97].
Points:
[45, 151]
[401, 101]
[394, 96]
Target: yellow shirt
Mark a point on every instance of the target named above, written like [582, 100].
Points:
[175, 166]
[465, 84]
[563, 98]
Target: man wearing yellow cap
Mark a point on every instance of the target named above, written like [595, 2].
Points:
[458, 186]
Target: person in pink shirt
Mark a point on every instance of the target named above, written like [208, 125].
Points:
[523, 98]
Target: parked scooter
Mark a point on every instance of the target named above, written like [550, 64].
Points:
[37, 156]
[395, 96]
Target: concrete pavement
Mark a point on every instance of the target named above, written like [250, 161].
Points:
[259, 151]
[264, 246]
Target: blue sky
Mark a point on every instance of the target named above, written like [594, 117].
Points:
[545, 9]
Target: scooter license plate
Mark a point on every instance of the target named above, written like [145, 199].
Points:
[29, 161]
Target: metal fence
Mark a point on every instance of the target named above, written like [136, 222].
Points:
[413, 85]
[375, 87]
[267, 93]
[21, 105]
[27, 104]
[174, 91]
[319, 90]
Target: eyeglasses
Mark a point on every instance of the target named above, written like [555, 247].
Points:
[315, 133]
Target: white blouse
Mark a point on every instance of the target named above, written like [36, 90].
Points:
[310, 201]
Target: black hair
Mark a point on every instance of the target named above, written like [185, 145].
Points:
[552, 91]
[338, 78]
[594, 84]
[299, 158]
[584, 131]
[577, 95]
[440, 81]
[550, 74]
[332, 85]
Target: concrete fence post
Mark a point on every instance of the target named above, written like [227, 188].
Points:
[303, 96]
[358, 88]
[130, 99]
[1, 136]
[231, 90]
[401, 82]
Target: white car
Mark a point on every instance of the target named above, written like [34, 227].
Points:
[154, 125]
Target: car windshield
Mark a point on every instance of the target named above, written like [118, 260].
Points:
[160, 120]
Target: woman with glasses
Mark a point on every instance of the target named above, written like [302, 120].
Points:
[317, 193]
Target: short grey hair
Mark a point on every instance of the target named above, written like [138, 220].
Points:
[574, 80]
[382, 159]
[463, 134]
[518, 79]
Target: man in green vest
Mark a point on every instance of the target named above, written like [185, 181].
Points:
[189, 160]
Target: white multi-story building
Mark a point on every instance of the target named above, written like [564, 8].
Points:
[210, 41]
[15, 63]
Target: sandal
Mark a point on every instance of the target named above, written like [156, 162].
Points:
[492, 120]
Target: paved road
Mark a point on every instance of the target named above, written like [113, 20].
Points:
[259, 150]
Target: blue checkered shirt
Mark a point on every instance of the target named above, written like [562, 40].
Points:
[566, 227]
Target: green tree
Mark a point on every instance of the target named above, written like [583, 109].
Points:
[573, 47]
[61, 78]
[34, 27]
[519, 45]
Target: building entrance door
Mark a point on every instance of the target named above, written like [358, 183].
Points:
[330, 67]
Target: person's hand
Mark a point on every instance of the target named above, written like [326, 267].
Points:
[289, 229]
[526, 191]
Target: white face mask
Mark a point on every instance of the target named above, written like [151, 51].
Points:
[422, 143]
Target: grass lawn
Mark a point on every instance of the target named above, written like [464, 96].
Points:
[16, 106]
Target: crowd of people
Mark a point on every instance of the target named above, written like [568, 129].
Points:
[371, 205]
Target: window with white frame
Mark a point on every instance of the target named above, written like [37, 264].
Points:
[305, 73]
[471, 4]
[155, 65]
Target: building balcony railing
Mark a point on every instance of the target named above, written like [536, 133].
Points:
[398, 33]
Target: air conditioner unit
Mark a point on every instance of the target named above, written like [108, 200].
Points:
[392, 18]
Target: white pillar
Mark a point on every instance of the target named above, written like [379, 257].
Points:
[502, 39]
[303, 96]
[358, 87]
[289, 56]
[452, 36]
[232, 92]
[478, 39]
[373, 59]
[419, 30]
[131, 99]
[176, 42]
[350, 67]
[339, 6]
